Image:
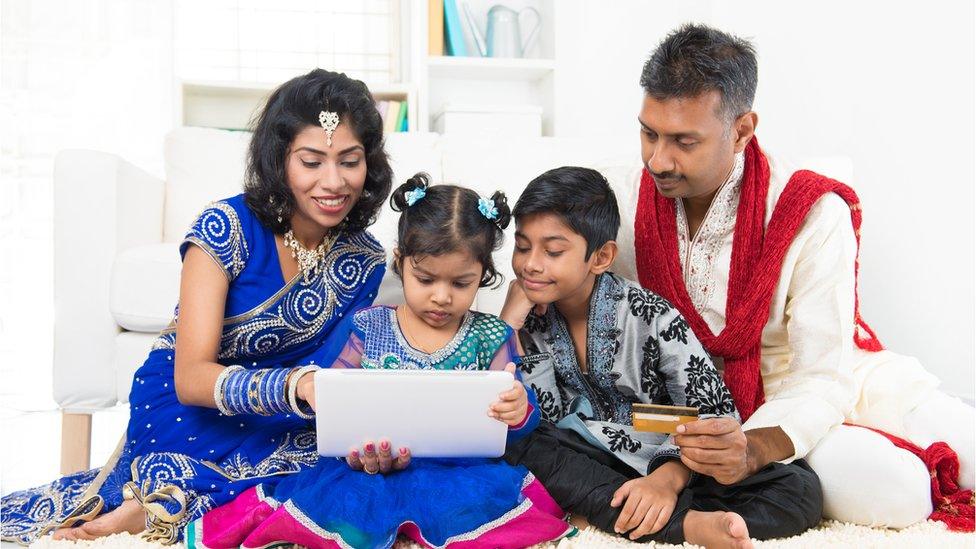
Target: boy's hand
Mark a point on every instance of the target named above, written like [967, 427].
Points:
[512, 405]
[517, 306]
[649, 500]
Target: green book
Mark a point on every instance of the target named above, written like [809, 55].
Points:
[401, 123]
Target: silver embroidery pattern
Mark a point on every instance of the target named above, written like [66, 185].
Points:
[28, 512]
[302, 312]
[218, 231]
[706, 245]
[296, 451]
[303, 308]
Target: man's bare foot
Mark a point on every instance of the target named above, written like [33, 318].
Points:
[129, 517]
[717, 529]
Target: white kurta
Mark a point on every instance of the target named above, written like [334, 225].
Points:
[813, 375]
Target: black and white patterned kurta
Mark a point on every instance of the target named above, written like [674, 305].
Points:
[639, 350]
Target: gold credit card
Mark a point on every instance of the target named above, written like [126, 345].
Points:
[658, 418]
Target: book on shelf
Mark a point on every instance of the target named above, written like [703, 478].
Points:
[394, 115]
[401, 124]
[435, 27]
[453, 32]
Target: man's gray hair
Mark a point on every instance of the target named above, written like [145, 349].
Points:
[696, 59]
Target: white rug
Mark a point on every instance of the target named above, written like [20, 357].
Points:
[828, 534]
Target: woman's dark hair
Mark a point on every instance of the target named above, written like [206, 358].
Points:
[448, 219]
[294, 106]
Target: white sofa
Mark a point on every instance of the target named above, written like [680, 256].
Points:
[117, 230]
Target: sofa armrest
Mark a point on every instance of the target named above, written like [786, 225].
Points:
[102, 204]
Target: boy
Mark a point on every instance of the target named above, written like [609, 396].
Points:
[595, 344]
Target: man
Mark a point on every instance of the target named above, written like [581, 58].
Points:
[762, 260]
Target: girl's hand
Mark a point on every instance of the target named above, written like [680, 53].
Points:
[369, 461]
[306, 388]
[512, 405]
[517, 306]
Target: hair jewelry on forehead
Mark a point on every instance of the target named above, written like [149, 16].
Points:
[329, 121]
[487, 208]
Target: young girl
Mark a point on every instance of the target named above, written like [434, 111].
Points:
[446, 238]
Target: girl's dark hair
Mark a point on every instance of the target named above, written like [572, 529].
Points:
[294, 106]
[448, 219]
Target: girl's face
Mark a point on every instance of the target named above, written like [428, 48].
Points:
[325, 181]
[439, 289]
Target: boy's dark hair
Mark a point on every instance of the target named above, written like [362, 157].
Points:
[695, 59]
[581, 197]
[291, 108]
[448, 219]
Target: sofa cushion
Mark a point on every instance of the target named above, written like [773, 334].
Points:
[145, 287]
[202, 165]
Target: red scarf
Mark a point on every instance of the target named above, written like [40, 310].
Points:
[757, 259]
[950, 504]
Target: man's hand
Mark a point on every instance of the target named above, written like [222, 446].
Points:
[718, 447]
[649, 501]
[517, 306]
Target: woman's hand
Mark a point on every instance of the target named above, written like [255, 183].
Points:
[517, 306]
[512, 405]
[369, 461]
[306, 388]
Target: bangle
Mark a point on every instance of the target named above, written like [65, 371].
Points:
[259, 392]
[219, 393]
[304, 412]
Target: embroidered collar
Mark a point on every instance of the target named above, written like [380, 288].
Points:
[601, 343]
[437, 356]
[698, 252]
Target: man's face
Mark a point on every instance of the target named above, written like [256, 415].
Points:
[686, 144]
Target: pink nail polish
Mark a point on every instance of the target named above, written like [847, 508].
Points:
[403, 451]
[385, 445]
[370, 448]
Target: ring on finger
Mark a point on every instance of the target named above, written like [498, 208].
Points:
[368, 472]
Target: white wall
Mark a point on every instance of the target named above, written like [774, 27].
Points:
[890, 84]
[92, 74]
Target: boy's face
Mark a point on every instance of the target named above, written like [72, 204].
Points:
[550, 258]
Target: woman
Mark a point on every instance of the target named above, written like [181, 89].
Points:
[220, 403]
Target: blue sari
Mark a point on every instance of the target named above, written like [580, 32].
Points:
[189, 459]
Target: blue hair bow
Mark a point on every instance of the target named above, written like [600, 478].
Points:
[487, 208]
[415, 195]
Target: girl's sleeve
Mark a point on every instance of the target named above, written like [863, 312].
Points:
[508, 353]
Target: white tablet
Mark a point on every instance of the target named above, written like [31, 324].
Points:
[434, 413]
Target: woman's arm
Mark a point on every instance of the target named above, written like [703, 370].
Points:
[203, 294]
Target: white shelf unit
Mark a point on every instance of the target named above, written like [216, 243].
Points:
[233, 105]
[474, 80]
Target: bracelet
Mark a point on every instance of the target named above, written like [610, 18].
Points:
[304, 412]
[259, 392]
[218, 392]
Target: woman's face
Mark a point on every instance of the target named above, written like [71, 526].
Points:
[325, 181]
